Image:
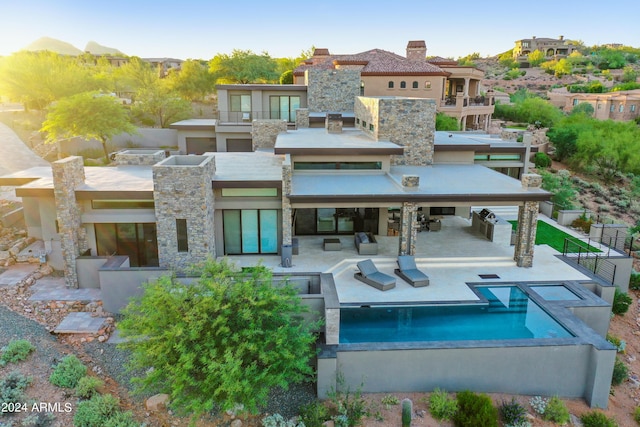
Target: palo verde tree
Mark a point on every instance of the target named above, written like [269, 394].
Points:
[244, 66]
[226, 339]
[88, 115]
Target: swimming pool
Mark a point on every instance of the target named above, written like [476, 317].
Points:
[505, 312]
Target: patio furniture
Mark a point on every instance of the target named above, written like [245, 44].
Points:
[370, 275]
[408, 270]
[365, 243]
[332, 244]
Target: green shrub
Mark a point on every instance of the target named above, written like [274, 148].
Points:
[636, 414]
[277, 420]
[68, 372]
[88, 386]
[314, 414]
[475, 410]
[620, 372]
[122, 419]
[621, 302]
[96, 411]
[542, 160]
[16, 351]
[634, 281]
[512, 413]
[12, 387]
[597, 419]
[351, 406]
[441, 406]
[620, 345]
[38, 419]
[407, 412]
[556, 411]
[389, 400]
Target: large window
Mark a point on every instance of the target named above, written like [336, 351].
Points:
[122, 204]
[137, 241]
[284, 107]
[241, 103]
[250, 231]
[337, 165]
[335, 220]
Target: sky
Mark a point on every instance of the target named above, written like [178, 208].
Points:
[201, 29]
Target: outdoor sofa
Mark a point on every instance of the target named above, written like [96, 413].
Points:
[365, 243]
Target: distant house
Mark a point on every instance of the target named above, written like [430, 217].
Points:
[621, 106]
[456, 89]
[552, 48]
[164, 64]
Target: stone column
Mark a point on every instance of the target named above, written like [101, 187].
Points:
[408, 229]
[182, 191]
[527, 224]
[68, 175]
[287, 232]
[302, 118]
[265, 132]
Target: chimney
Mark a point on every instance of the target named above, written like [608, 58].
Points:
[333, 123]
[417, 50]
[319, 55]
[533, 37]
[561, 37]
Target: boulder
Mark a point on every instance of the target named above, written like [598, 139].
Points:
[157, 402]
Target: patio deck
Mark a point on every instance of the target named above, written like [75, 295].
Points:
[452, 257]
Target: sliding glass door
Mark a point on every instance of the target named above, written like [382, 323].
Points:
[250, 231]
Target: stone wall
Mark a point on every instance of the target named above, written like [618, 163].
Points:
[287, 225]
[527, 223]
[332, 90]
[68, 174]
[182, 190]
[265, 132]
[302, 118]
[409, 122]
[139, 157]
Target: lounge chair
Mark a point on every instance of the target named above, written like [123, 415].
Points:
[370, 275]
[409, 272]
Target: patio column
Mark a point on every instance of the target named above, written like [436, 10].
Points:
[408, 229]
[286, 203]
[527, 224]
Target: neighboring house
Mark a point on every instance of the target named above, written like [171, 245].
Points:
[163, 65]
[376, 166]
[620, 106]
[552, 48]
[456, 89]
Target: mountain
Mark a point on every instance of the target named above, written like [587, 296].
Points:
[53, 45]
[97, 49]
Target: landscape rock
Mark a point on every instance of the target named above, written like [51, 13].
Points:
[236, 423]
[157, 402]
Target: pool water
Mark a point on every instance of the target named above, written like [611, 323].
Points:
[508, 314]
[555, 293]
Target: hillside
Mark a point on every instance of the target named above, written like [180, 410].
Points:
[53, 45]
[97, 49]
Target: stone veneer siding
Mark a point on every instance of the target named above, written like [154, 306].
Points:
[68, 174]
[332, 90]
[302, 118]
[137, 158]
[287, 225]
[408, 228]
[527, 224]
[182, 190]
[265, 132]
[409, 122]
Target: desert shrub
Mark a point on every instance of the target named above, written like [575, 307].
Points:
[583, 223]
[350, 405]
[597, 419]
[542, 160]
[621, 302]
[96, 411]
[512, 413]
[12, 387]
[634, 281]
[636, 414]
[620, 344]
[407, 412]
[539, 404]
[620, 372]
[122, 419]
[38, 419]
[389, 400]
[16, 351]
[277, 420]
[314, 414]
[88, 386]
[68, 372]
[475, 410]
[441, 406]
[556, 411]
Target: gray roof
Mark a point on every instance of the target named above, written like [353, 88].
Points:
[254, 166]
[312, 138]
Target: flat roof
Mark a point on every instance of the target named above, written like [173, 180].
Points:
[268, 87]
[258, 168]
[195, 124]
[438, 183]
[318, 141]
[113, 182]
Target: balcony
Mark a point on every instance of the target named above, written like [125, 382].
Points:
[246, 117]
[461, 102]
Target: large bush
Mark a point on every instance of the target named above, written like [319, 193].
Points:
[226, 338]
[597, 419]
[441, 405]
[68, 372]
[475, 410]
[621, 302]
[446, 123]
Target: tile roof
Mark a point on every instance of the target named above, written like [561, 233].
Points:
[375, 62]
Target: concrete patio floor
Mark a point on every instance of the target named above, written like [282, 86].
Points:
[451, 258]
